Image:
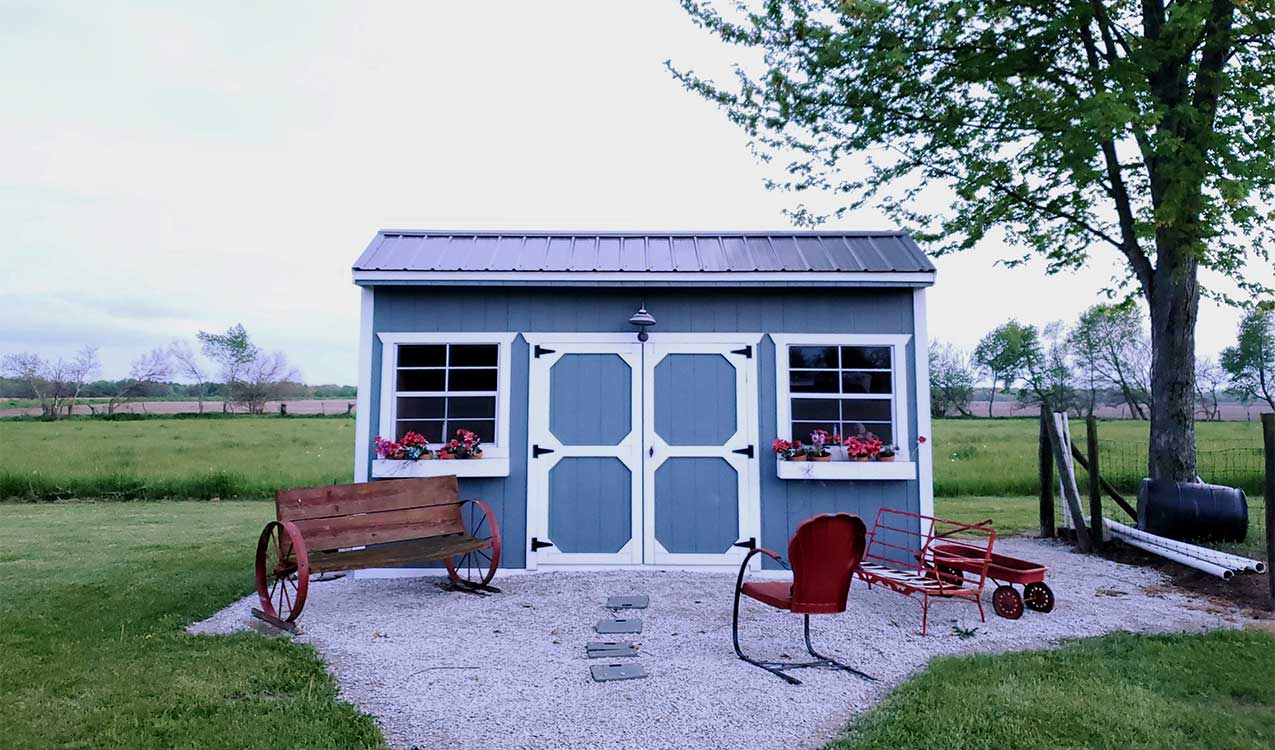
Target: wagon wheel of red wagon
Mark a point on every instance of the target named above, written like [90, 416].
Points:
[1007, 602]
[283, 570]
[477, 567]
[1039, 597]
[950, 575]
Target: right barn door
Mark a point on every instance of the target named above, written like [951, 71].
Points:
[699, 403]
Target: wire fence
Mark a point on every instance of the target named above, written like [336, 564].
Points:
[1123, 464]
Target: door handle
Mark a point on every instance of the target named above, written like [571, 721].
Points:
[650, 452]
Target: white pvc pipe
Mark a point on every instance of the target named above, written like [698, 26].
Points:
[1224, 559]
[1191, 562]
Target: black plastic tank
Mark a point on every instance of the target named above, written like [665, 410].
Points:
[1192, 511]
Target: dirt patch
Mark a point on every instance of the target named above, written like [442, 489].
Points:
[1245, 594]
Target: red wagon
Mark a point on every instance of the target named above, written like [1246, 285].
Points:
[959, 559]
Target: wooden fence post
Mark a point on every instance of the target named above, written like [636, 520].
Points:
[1095, 485]
[1070, 494]
[1268, 439]
[1046, 462]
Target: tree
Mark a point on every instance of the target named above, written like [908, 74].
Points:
[186, 364]
[1210, 381]
[1251, 362]
[262, 380]
[1110, 345]
[951, 380]
[1049, 379]
[1001, 354]
[55, 384]
[1143, 129]
[233, 351]
[148, 369]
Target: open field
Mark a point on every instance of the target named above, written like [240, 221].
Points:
[93, 602]
[239, 457]
[94, 599]
[25, 407]
[250, 457]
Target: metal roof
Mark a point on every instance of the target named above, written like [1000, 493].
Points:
[643, 252]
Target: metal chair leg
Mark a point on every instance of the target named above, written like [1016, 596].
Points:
[831, 662]
[734, 634]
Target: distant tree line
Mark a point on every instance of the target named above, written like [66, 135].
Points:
[1101, 359]
[227, 368]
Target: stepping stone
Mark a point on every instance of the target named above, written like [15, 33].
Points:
[635, 601]
[631, 625]
[608, 672]
[610, 650]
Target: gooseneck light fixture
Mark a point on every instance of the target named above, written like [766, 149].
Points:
[642, 319]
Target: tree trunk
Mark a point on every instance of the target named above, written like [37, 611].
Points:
[1174, 303]
[991, 399]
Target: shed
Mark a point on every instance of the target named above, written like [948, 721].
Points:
[606, 448]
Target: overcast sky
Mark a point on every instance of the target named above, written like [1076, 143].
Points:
[169, 167]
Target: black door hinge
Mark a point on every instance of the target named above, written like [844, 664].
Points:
[537, 544]
[537, 451]
[541, 350]
[750, 543]
[746, 351]
[744, 451]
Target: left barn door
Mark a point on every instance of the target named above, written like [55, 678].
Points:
[584, 471]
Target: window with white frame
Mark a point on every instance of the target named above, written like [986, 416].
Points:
[436, 384]
[847, 385]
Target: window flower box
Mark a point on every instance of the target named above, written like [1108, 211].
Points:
[384, 468]
[846, 470]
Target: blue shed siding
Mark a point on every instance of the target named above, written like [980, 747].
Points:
[784, 503]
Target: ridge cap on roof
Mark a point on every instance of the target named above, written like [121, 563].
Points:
[640, 233]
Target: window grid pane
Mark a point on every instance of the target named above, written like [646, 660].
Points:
[844, 389]
[442, 388]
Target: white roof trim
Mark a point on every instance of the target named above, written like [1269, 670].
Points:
[692, 277]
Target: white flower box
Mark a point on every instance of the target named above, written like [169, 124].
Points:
[835, 470]
[436, 467]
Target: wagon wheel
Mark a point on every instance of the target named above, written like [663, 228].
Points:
[950, 575]
[1007, 602]
[477, 567]
[283, 570]
[1039, 597]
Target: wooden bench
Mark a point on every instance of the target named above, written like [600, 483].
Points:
[902, 557]
[372, 525]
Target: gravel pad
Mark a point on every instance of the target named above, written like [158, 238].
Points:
[447, 670]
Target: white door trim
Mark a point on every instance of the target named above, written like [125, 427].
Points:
[746, 401]
[628, 451]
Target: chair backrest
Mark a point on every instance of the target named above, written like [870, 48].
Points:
[914, 542]
[824, 553]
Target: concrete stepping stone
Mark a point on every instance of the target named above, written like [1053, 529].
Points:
[629, 625]
[610, 649]
[608, 672]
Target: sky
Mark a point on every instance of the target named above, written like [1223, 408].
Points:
[173, 167]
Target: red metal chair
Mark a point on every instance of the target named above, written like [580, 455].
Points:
[823, 553]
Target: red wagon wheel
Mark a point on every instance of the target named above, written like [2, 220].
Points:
[283, 570]
[1007, 602]
[478, 567]
[1039, 597]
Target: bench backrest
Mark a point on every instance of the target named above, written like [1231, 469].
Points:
[904, 541]
[352, 515]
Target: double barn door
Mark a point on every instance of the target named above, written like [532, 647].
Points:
[642, 453]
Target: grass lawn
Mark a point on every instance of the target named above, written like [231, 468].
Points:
[1119, 692]
[240, 457]
[93, 601]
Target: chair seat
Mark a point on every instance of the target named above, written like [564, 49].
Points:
[775, 593]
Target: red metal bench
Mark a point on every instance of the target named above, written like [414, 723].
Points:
[371, 525]
[912, 554]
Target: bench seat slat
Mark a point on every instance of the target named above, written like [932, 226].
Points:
[357, 530]
[369, 497]
[400, 553]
